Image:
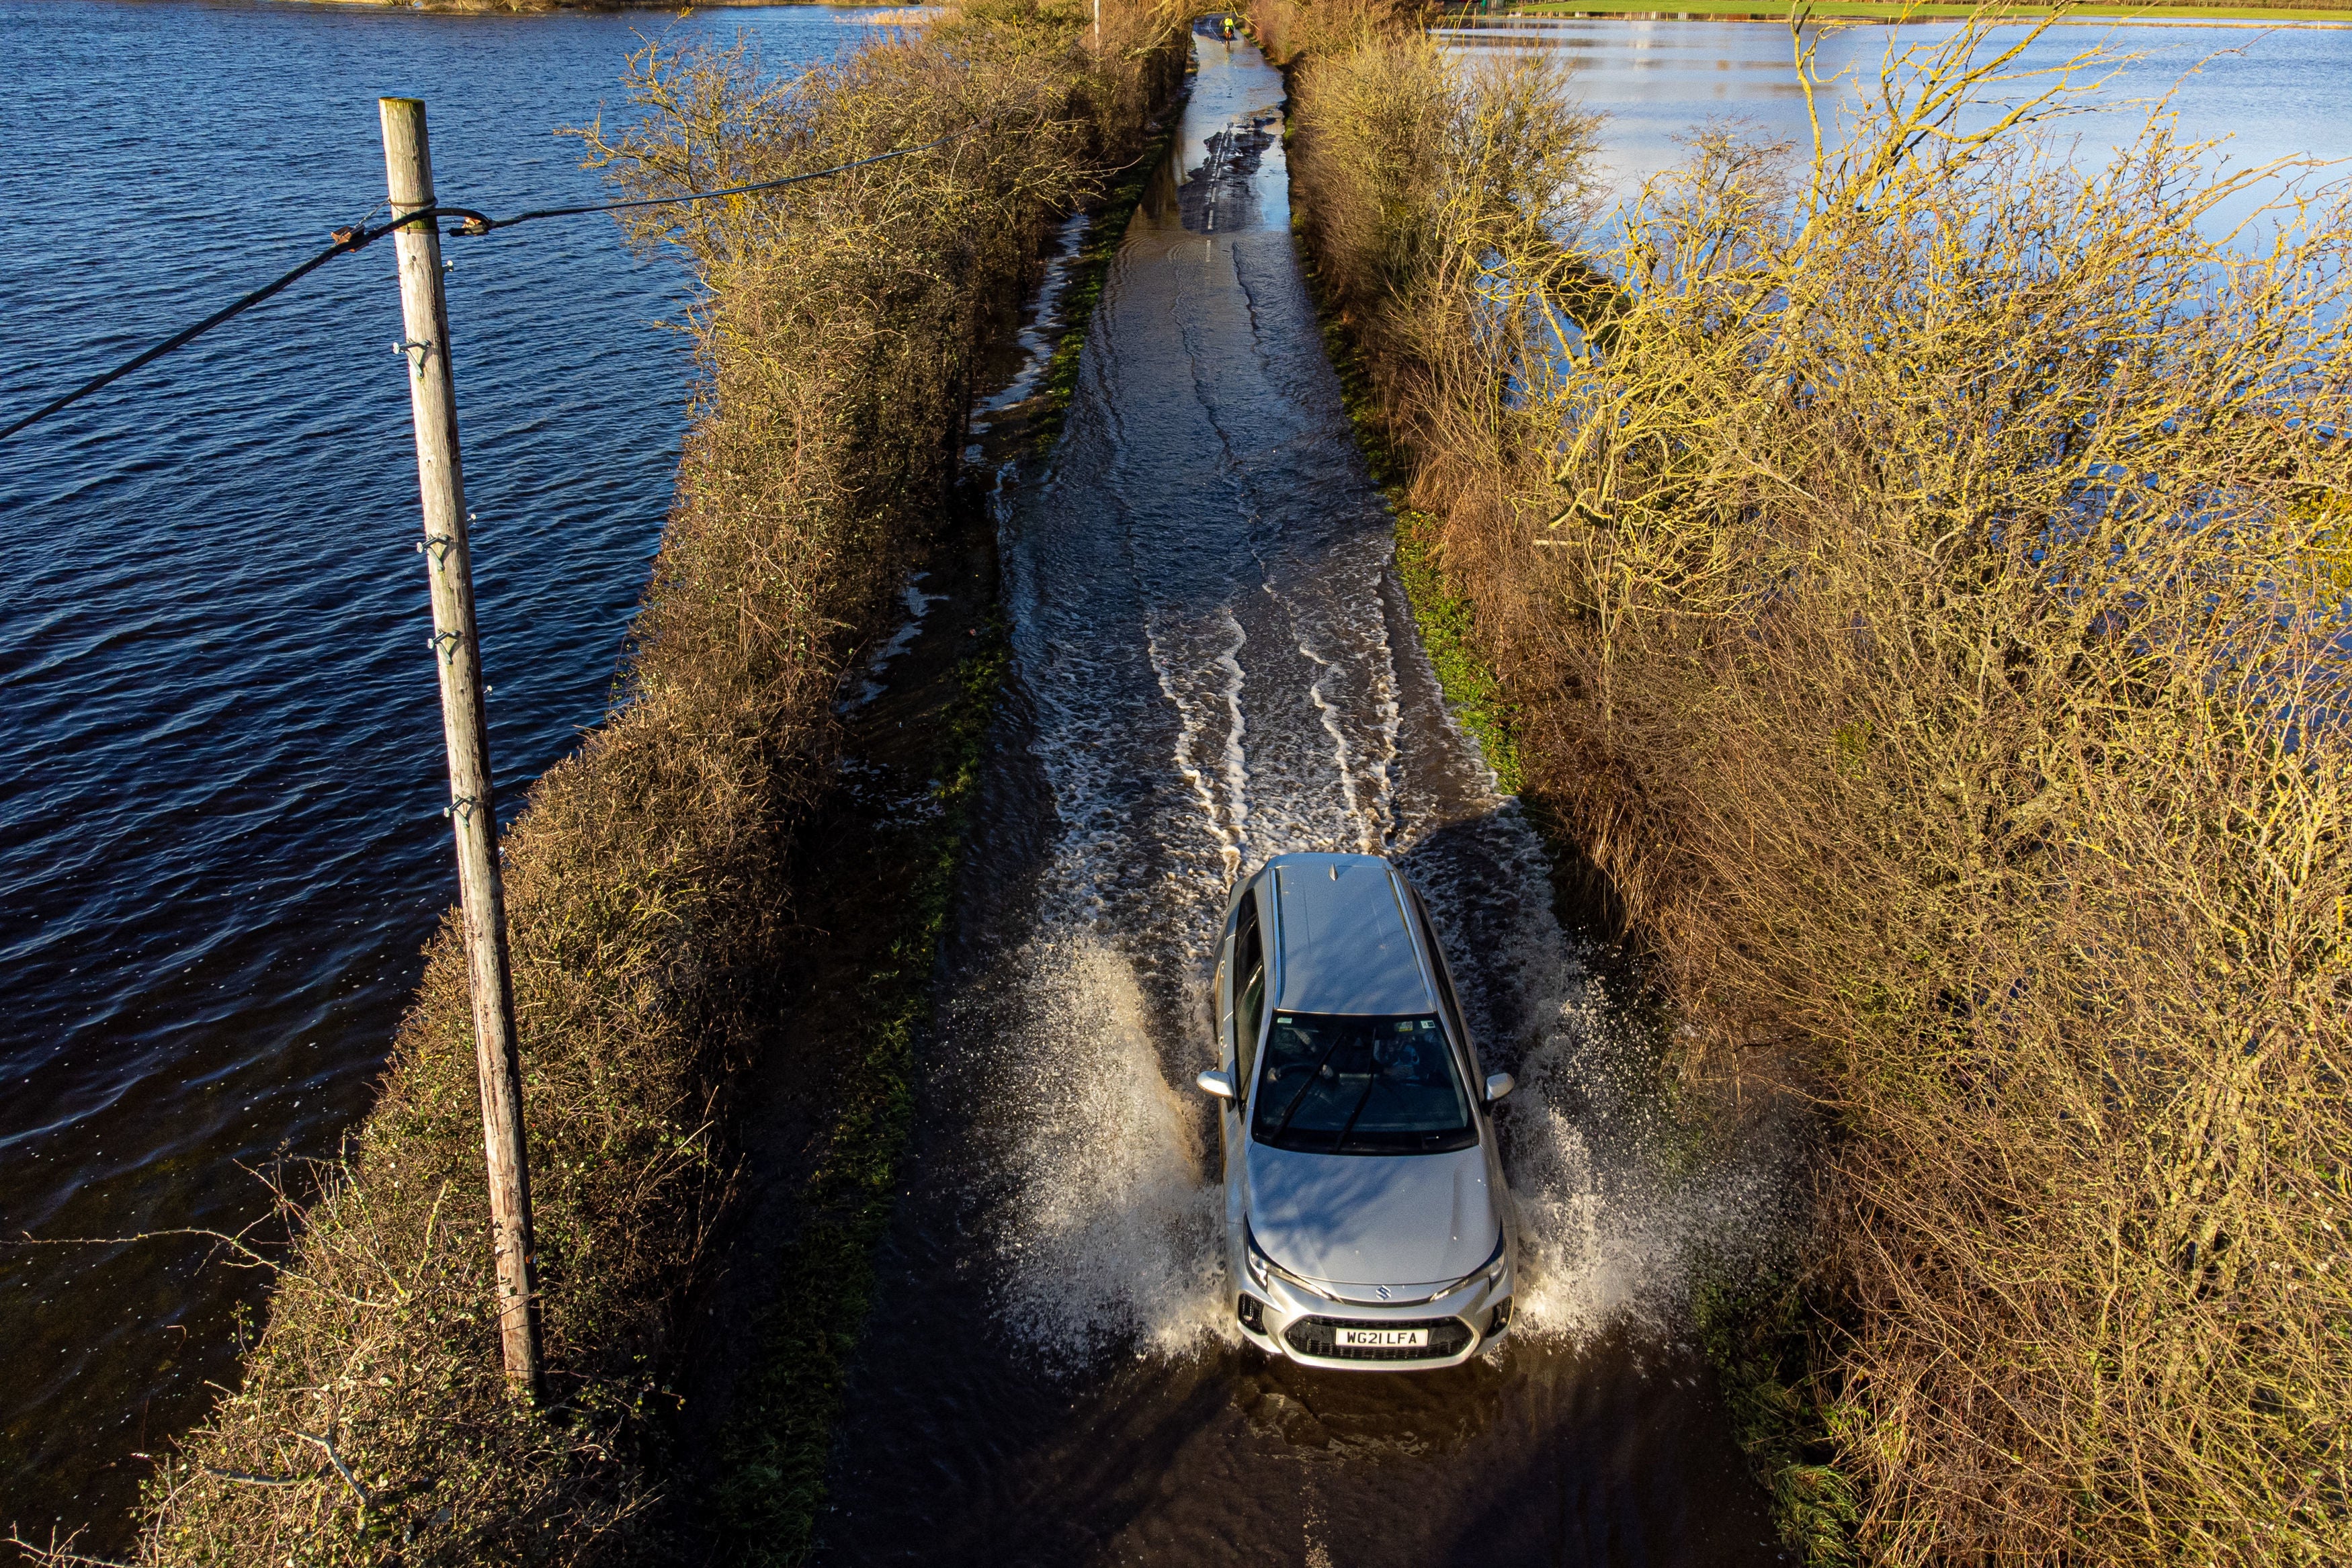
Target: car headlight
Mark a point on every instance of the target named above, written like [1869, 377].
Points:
[1488, 1273]
[1263, 1269]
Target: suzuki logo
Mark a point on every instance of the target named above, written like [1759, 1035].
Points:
[1383, 1292]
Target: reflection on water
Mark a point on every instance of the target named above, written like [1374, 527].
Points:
[2275, 92]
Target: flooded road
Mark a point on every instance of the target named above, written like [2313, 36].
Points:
[1214, 664]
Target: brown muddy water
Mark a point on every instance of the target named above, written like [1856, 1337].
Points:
[1214, 664]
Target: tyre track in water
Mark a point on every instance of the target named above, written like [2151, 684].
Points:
[1214, 664]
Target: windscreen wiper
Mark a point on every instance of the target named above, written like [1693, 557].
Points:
[1313, 1073]
[1370, 1083]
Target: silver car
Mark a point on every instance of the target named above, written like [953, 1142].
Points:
[1367, 1225]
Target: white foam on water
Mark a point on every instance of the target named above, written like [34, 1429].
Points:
[1366, 842]
[1227, 820]
[1381, 818]
[1335, 614]
[1036, 338]
[1615, 1213]
[1112, 1236]
[1304, 796]
[1236, 760]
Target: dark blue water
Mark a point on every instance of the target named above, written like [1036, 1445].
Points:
[221, 846]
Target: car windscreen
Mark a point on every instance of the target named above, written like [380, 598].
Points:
[1333, 1083]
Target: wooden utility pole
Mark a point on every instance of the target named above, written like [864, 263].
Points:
[433, 399]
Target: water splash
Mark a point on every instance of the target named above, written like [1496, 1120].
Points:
[1112, 1235]
[1618, 1209]
[1219, 667]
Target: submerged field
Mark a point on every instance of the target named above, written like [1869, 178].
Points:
[1890, 596]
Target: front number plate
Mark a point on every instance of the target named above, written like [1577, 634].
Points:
[1385, 1339]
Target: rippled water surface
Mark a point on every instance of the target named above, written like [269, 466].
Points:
[220, 781]
[221, 775]
[2274, 92]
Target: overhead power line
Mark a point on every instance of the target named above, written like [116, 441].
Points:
[471, 224]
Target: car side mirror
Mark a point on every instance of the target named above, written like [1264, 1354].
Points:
[1220, 1085]
[1498, 1085]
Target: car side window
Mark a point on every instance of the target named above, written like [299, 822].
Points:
[1249, 991]
[1445, 981]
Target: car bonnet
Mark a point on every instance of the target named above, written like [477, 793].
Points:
[1373, 1219]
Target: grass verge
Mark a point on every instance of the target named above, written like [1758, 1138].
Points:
[779, 1434]
[1760, 1332]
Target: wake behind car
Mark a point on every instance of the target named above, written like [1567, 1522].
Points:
[1367, 1222]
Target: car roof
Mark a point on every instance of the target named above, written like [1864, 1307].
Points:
[1345, 944]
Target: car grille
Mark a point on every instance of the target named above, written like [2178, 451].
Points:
[1319, 1337]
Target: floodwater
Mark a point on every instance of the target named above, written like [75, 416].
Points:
[221, 846]
[1214, 664]
[2272, 92]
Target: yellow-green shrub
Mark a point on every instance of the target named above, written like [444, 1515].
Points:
[1919, 571]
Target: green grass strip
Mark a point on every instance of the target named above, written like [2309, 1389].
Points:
[779, 1439]
[1755, 1332]
[780, 1436]
[1473, 691]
